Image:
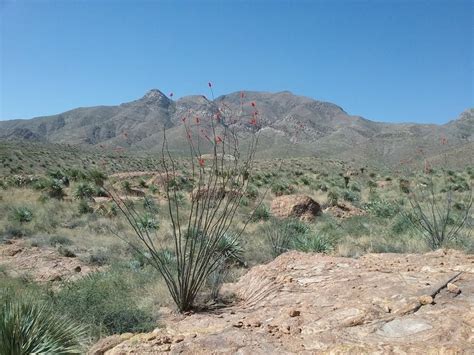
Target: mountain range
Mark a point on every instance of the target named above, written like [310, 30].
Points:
[289, 125]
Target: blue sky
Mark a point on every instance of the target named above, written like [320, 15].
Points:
[385, 60]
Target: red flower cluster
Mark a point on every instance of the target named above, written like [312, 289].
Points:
[201, 162]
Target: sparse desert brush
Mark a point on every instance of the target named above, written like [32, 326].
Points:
[282, 235]
[83, 191]
[434, 214]
[55, 189]
[333, 197]
[382, 208]
[107, 302]
[350, 196]
[55, 240]
[313, 242]
[281, 187]
[21, 214]
[261, 213]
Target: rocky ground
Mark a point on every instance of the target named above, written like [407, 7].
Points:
[312, 303]
[41, 264]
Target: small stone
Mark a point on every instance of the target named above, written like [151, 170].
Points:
[294, 313]
[179, 339]
[453, 288]
[149, 337]
[77, 269]
[257, 324]
[238, 325]
[425, 299]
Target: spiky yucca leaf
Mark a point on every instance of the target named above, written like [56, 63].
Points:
[30, 328]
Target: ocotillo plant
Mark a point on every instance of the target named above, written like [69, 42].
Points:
[219, 173]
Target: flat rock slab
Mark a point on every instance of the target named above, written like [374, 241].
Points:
[314, 303]
[399, 328]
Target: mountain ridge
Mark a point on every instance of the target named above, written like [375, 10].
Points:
[288, 122]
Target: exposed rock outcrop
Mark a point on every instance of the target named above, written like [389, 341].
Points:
[312, 303]
[295, 206]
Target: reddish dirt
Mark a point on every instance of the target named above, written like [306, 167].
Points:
[41, 264]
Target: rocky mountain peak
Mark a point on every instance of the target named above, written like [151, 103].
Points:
[155, 96]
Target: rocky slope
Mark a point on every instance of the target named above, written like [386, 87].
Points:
[288, 125]
[311, 303]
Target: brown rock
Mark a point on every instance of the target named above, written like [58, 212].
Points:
[105, 344]
[294, 313]
[179, 339]
[295, 206]
[453, 288]
[425, 299]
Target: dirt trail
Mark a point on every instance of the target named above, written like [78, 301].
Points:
[311, 303]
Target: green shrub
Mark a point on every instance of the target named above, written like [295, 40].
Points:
[83, 191]
[252, 192]
[402, 224]
[106, 301]
[84, 207]
[150, 205]
[28, 327]
[65, 251]
[148, 222]
[280, 188]
[97, 177]
[350, 196]
[22, 214]
[58, 239]
[55, 189]
[126, 186]
[312, 242]
[261, 213]
[404, 186]
[282, 234]
[333, 197]
[382, 208]
[99, 257]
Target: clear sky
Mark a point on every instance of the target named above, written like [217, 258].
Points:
[386, 60]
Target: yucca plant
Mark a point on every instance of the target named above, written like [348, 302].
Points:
[30, 328]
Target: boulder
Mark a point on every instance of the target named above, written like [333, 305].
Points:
[296, 206]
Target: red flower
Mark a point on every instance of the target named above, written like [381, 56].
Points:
[197, 120]
[218, 140]
[210, 84]
[218, 117]
[242, 94]
[253, 121]
[183, 119]
[253, 104]
[201, 162]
